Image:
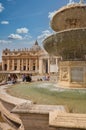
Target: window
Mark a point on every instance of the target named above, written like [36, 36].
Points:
[15, 67]
[24, 67]
[5, 66]
[34, 67]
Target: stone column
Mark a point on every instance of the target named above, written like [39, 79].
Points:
[69, 73]
[48, 65]
[3, 65]
[18, 64]
[57, 64]
[8, 64]
[22, 64]
[12, 64]
[26, 64]
[29, 64]
[40, 66]
[57, 69]
[36, 65]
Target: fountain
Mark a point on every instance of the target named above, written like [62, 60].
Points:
[69, 42]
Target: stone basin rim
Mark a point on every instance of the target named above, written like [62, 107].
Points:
[70, 6]
[54, 23]
[68, 30]
[62, 41]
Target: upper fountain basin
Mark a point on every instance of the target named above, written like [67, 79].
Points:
[70, 16]
[71, 42]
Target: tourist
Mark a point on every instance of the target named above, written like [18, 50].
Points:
[47, 77]
[28, 78]
[9, 78]
[12, 79]
[44, 78]
[23, 77]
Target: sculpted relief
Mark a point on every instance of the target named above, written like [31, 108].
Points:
[64, 74]
[72, 22]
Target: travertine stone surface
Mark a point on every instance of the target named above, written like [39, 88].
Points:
[35, 108]
[68, 120]
[36, 117]
[72, 73]
[49, 117]
[69, 16]
[70, 44]
[11, 118]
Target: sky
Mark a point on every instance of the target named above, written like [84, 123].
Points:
[22, 22]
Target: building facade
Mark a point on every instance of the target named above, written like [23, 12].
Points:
[33, 60]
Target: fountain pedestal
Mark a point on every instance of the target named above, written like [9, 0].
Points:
[72, 73]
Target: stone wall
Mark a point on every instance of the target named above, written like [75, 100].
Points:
[9, 106]
[10, 118]
[49, 117]
[72, 74]
[33, 121]
[67, 120]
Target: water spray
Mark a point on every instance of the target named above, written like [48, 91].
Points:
[81, 1]
[71, 2]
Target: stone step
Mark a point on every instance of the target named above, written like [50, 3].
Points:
[68, 120]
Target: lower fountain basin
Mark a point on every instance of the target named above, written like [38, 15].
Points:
[69, 43]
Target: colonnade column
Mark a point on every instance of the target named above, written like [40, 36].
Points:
[22, 64]
[36, 65]
[18, 64]
[40, 66]
[12, 64]
[29, 65]
[26, 64]
[57, 68]
[3, 65]
[57, 64]
[8, 65]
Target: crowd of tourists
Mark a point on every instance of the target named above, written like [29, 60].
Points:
[12, 78]
[26, 77]
[44, 78]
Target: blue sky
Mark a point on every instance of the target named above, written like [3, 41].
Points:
[22, 22]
